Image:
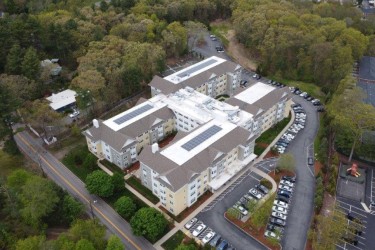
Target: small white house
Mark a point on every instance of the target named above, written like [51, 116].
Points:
[62, 100]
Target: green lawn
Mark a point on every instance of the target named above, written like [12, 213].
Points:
[220, 30]
[74, 159]
[8, 163]
[112, 167]
[173, 242]
[68, 142]
[268, 136]
[310, 88]
[132, 181]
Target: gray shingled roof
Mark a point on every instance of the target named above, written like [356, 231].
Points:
[168, 87]
[109, 136]
[264, 103]
[129, 133]
[178, 176]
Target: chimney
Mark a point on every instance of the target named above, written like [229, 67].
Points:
[155, 148]
[95, 122]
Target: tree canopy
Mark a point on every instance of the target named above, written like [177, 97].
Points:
[100, 183]
[148, 222]
[125, 207]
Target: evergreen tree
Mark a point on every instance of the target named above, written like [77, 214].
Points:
[14, 60]
[31, 64]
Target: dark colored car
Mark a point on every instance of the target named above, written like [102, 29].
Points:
[223, 245]
[310, 98]
[274, 228]
[317, 103]
[297, 92]
[296, 105]
[262, 188]
[277, 222]
[284, 193]
[215, 241]
[320, 109]
[289, 178]
[282, 198]
[310, 161]
[350, 239]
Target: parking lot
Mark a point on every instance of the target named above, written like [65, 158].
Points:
[365, 239]
[213, 214]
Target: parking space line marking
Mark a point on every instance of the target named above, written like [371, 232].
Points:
[351, 211]
[362, 210]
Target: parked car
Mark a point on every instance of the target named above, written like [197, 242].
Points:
[303, 94]
[274, 228]
[284, 193]
[219, 49]
[277, 221]
[257, 76]
[279, 215]
[279, 209]
[255, 193]
[286, 188]
[287, 183]
[271, 234]
[310, 161]
[223, 245]
[191, 223]
[262, 188]
[242, 210]
[208, 237]
[289, 178]
[297, 92]
[281, 204]
[74, 114]
[282, 198]
[248, 197]
[215, 241]
[199, 229]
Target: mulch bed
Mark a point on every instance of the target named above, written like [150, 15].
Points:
[133, 167]
[188, 210]
[278, 175]
[166, 141]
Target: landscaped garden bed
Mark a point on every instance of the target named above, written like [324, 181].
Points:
[147, 193]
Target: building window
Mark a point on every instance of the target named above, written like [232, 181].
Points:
[171, 202]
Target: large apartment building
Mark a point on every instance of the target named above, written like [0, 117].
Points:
[214, 139]
[213, 76]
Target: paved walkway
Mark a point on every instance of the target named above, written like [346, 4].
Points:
[180, 226]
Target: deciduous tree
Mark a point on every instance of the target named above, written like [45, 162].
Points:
[286, 162]
[148, 222]
[90, 230]
[99, 183]
[31, 64]
[125, 207]
[114, 243]
[14, 59]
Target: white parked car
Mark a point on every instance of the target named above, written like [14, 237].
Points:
[74, 114]
[303, 94]
[279, 215]
[286, 188]
[208, 237]
[286, 183]
[271, 234]
[191, 223]
[199, 229]
[281, 204]
[255, 193]
[279, 209]
[242, 210]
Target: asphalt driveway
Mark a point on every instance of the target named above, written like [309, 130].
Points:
[300, 215]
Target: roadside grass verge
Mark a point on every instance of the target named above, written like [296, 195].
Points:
[220, 30]
[68, 142]
[310, 88]
[137, 185]
[174, 241]
[74, 160]
[268, 136]
[112, 167]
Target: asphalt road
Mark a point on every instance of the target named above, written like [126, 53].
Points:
[300, 214]
[214, 217]
[209, 49]
[60, 174]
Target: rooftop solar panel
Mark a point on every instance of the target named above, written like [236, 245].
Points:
[132, 114]
[201, 137]
[197, 67]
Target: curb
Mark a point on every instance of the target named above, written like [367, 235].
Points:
[245, 232]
